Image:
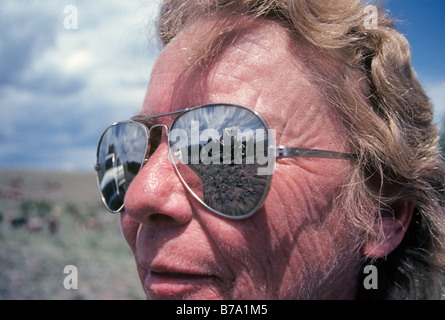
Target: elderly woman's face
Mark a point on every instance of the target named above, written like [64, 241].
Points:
[298, 245]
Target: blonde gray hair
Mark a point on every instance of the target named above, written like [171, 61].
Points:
[387, 119]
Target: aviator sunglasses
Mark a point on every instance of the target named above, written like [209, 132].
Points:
[224, 155]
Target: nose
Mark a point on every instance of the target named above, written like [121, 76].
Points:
[157, 191]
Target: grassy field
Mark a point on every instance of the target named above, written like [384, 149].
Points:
[50, 220]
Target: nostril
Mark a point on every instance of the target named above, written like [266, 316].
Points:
[159, 217]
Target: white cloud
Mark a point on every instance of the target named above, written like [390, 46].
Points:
[59, 88]
[436, 92]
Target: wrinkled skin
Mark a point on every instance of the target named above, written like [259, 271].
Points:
[298, 245]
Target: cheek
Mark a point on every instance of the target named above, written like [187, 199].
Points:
[280, 248]
[306, 232]
[130, 229]
[302, 194]
[303, 201]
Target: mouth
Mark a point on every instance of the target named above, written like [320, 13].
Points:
[174, 285]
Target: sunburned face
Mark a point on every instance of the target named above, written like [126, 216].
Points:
[298, 245]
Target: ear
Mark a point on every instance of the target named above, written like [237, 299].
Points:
[390, 230]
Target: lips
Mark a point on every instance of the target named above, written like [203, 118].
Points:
[165, 282]
[167, 270]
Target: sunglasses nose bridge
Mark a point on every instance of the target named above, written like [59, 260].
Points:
[160, 125]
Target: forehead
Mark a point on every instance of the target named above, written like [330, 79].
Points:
[253, 60]
[259, 66]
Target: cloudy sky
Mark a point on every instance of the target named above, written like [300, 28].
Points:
[61, 86]
[69, 68]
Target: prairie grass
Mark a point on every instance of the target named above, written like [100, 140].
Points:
[50, 220]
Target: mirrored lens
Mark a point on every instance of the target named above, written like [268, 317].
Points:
[219, 151]
[120, 155]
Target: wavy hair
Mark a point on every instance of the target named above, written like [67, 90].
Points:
[387, 119]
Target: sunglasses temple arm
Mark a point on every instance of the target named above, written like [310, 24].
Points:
[290, 152]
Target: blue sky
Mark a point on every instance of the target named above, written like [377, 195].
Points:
[423, 23]
[64, 80]
[61, 86]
